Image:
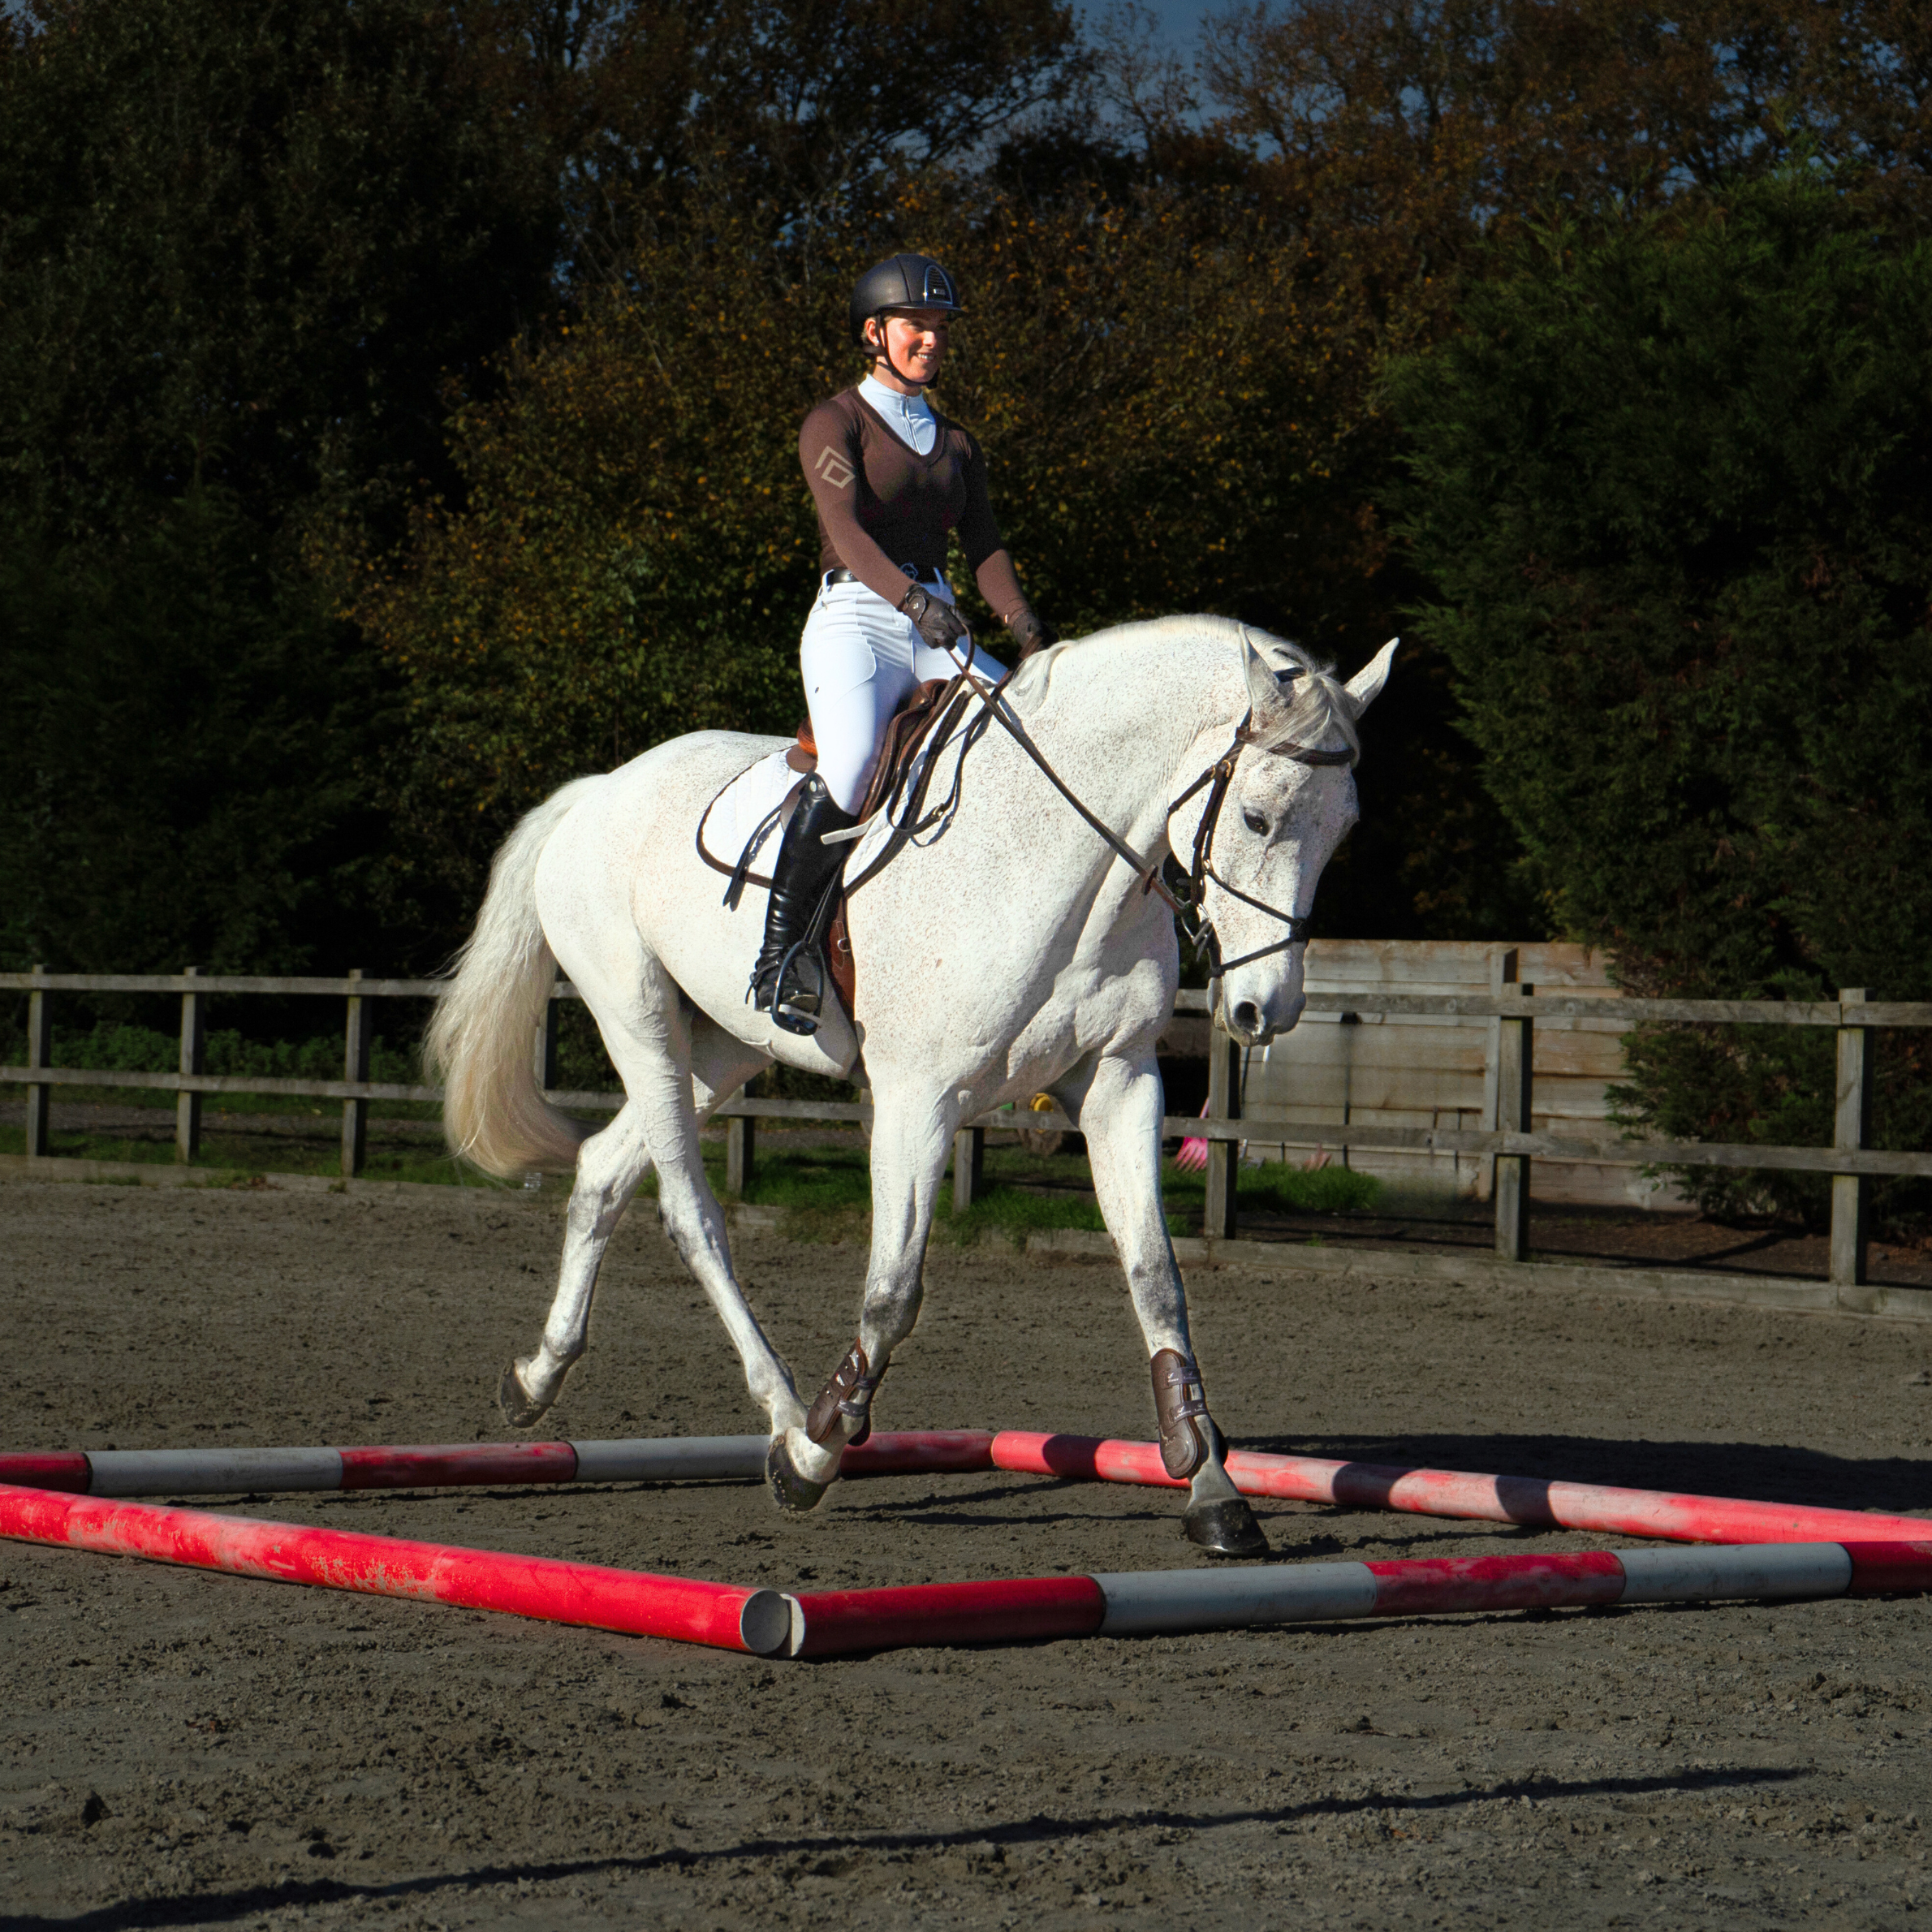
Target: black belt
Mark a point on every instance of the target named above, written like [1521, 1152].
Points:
[842, 576]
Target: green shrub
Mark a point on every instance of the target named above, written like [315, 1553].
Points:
[1674, 485]
[112, 1046]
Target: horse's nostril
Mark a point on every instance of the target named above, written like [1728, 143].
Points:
[1247, 1016]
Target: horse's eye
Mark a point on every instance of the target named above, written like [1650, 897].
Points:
[1254, 822]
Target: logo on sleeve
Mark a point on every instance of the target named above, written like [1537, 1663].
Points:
[833, 466]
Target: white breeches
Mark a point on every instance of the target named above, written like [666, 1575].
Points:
[862, 660]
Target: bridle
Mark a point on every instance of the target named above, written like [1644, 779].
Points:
[1188, 898]
[1190, 903]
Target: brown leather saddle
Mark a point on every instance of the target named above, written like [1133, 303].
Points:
[894, 783]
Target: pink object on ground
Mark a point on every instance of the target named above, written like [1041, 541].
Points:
[1191, 1156]
[1880, 1567]
[830, 1623]
[721, 1615]
[1433, 1585]
[826, 1622]
[1522, 1500]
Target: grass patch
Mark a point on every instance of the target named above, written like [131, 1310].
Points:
[825, 1194]
[1297, 1190]
[1016, 1212]
[223, 1158]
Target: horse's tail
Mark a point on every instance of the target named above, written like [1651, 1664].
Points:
[481, 1038]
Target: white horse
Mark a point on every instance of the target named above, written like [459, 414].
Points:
[1010, 952]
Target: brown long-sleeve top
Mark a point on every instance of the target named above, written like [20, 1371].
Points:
[881, 504]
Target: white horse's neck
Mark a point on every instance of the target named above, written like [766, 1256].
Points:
[1129, 717]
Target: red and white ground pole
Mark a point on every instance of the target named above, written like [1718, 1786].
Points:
[720, 1615]
[1773, 1551]
[650, 1459]
[1526, 1500]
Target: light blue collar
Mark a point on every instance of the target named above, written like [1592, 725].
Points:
[910, 418]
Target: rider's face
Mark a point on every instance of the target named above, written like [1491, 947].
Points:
[916, 340]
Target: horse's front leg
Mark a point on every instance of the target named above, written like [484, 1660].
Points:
[912, 1136]
[1118, 1104]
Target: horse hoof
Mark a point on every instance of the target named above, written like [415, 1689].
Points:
[1226, 1528]
[790, 1490]
[514, 1399]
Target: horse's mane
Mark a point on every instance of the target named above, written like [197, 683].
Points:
[1321, 709]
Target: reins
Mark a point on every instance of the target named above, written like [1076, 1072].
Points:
[1187, 902]
[1188, 905]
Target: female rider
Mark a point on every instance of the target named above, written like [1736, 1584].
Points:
[890, 478]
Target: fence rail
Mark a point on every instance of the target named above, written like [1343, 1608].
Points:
[1507, 1139]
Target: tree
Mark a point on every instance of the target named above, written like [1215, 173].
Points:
[241, 245]
[1676, 486]
[242, 248]
[250, 253]
[182, 772]
[634, 552]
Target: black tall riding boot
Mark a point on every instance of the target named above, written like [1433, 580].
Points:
[788, 982]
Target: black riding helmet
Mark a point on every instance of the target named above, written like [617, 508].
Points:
[903, 282]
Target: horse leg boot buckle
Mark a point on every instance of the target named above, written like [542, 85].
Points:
[848, 1394]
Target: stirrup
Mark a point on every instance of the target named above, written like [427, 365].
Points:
[798, 989]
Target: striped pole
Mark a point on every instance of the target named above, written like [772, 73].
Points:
[1527, 1500]
[722, 1615]
[1144, 1603]
[831, 1622]
[656, 1459]
[1531, 1502]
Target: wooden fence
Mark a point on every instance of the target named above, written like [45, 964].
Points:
[1438, 1070]
[1507, 1137]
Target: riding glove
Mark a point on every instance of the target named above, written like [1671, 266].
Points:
[935, 619]
[1032, 632]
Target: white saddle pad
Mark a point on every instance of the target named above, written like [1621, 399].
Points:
[770, 786]
[744, 805]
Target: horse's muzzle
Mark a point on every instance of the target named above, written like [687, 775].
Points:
[1254, 1023]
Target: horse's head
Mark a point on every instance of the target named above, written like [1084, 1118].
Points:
[1290, 803]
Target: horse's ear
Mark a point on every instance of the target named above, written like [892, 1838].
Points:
[1267, 699]
[1365, 686]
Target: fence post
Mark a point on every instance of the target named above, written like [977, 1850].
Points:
[1503, 969]
[1224, 1103]
[1516, 1060]
[968, 1167]
[356, 1066]
[1851, 1129]
[187, 1107]
[40, 1053]
[741, 1145]
[545, 1059]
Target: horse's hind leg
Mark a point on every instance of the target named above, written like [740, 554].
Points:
[1118, 1104]
[667, 1061]
[912, 1136]
[609, 1166]
[720, 1064]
